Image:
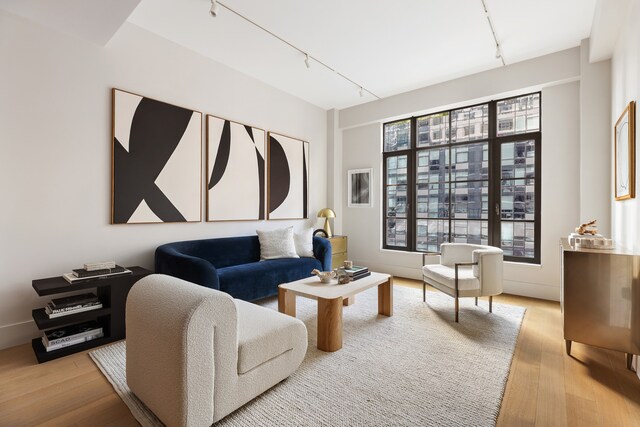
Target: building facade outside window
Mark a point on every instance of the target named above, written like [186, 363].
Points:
[469, 175]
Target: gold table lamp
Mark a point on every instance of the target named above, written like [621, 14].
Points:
[327, 213]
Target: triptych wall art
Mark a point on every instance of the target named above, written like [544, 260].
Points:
[157, 167]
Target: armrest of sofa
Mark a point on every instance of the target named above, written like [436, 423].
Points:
[181, 339]
[322, 252]
[168, 260]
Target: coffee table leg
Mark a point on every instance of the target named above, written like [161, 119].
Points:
[286, 302]
[329, 324]
[385, 298]
[349, 300]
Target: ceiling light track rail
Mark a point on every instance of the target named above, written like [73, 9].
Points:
[361, 89]
[493, 31]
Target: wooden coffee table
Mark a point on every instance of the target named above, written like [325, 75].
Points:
[331, 297]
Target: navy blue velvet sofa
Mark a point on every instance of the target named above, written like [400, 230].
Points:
[233, 265]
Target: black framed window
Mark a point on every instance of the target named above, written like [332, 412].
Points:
[469, 175]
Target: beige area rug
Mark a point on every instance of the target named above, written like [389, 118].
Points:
[417, 368]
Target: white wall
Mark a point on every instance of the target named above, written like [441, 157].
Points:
[55, 159]
[566, 156]
[625, 87]
[595, 142]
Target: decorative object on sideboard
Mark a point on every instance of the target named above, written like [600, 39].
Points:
[235, 171]
[324, 276]
[588, 228]
[287, 177]
[157, 161]
[347, 264]
[624, 154]
[587, 237]
[327, 213]
[359, 188]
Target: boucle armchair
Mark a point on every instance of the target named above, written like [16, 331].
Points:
[194, 354]
[464, 270]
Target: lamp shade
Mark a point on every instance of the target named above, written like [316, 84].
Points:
[326, 213]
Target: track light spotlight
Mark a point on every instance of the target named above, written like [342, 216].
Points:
[214, 8]
[361, 92]
[498, 54]
[306, 60]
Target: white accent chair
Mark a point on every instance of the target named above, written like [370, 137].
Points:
[464, 270]
[194, 354]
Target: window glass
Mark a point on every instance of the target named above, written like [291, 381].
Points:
[397, 135]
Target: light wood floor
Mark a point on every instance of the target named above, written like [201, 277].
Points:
[545, 387]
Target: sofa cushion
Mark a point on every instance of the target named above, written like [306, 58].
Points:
[263, 334]
[446, 276]
[276, 244]
[256, 280]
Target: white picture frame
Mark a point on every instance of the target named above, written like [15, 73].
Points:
[359, 194]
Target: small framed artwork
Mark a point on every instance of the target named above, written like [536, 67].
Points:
[359, 188]
[624, 153]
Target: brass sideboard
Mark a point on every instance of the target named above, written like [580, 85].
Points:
[600, 298]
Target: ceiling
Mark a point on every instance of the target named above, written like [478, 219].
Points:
[388, 47]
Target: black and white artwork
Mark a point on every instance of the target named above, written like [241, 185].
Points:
[359, 187]
[235, 171]
[157, 161]
[288, 169]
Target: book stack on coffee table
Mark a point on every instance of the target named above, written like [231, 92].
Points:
[357, 272]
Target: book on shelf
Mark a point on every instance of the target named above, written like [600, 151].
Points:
[53, 314]
[81, 272]
[78, 340]
[71, 333]
[73, 300]
[71, 278]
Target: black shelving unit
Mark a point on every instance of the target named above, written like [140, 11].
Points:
[112, 292]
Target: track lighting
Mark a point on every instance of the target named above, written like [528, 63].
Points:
[214, 8]
[498, 54]
[215, 5]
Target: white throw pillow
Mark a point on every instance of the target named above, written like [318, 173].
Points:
[304, 242]
[277, 244]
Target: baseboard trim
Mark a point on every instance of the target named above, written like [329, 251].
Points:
[18, 333]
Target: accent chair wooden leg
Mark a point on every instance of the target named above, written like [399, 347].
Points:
[629, 361]
[490, 304]
[424, 292]
[457, 307]
[476, 301]
[567, 345]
